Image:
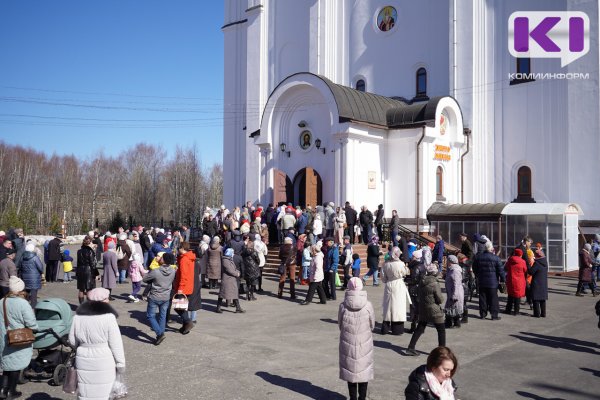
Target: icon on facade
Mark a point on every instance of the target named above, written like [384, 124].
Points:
[372, 182]
[387, 18]
[305, 140]
[443, 124]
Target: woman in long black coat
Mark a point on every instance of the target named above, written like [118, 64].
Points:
[251, 269]
[539, 284]
[373, 254]
[86, 269]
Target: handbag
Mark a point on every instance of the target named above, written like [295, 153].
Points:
[21, 337]
[502, 287]
[70, 383]
[338, 282]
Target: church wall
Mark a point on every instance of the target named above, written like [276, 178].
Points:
[388, 61]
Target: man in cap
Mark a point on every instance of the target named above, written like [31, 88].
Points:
[54, 256]
[350, 220]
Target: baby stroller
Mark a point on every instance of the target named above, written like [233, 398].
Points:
[55, 354]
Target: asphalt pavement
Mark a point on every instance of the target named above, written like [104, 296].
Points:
[281, 350]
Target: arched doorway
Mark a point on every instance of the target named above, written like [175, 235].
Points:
[307, 188]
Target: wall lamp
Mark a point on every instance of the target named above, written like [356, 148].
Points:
[302, 124]
[282, 146]
[318, 146]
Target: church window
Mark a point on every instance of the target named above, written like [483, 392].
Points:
[524, 182]
[523, 71]
[439, 183]
[360, 85]
[421, 82]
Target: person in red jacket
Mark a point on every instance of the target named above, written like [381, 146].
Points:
[516, 272]
[187, 281]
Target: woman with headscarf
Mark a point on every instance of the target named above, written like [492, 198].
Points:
[373, 253]
[202, 258]
[213, 268]
[356, 320]
[395, 294]
[98, 344]
[251, 268]
[31, 272]
[123, 263]
[317, 228]
[16, 313]
[110, 271]
[539, 284]
[585, 270]
[261, 248]
[516, 273]
[86, 268]
[340, 223]
[430, 309]
[316, 275]
[455, 294]
[229, 283]
[287, 253]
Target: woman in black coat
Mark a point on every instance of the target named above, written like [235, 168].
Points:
[433, 380]
[251, 269]
[373, 253]
[539, 284]
[86, 269]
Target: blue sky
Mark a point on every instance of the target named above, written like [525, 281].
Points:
[80, 76]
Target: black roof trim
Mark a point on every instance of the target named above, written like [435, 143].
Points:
[235, 23]
[255, 133]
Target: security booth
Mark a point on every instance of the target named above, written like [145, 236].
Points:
[554, 225]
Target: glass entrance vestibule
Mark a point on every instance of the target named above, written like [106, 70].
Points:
[554, 225]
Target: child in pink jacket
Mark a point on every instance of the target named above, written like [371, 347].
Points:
[136, 272]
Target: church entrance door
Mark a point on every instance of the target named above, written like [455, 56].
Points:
[307, 188]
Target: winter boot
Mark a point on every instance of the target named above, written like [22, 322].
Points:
[292, 290]
[397, 328]
[456, 321]
[238, 308]
[241, 290]
[248, 294]
[252, 297]
[448, 322]
[260, 282]
[219, 303]
[280, 291]
[386, 327]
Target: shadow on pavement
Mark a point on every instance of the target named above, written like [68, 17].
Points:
[136, 334]
[42, 396]
[559, 342]
[594, 372]
[390, 346]
[528, 395]
[304, 388]
[572, 393]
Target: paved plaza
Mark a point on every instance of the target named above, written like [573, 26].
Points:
[281, 350]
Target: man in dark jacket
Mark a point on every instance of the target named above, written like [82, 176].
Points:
[489, 271]
[379, 221]
[53, 258]
[438, 252]
[394, 228]
[366, 221]
[466, 248]
[350, 220]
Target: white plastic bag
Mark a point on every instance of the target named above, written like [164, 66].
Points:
[119, 389]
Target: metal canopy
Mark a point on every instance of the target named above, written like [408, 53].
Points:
[542, 209]
[459, 212]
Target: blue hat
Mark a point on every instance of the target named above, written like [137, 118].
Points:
[229, 252]
[67, 252]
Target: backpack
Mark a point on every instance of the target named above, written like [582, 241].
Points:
[120, 253]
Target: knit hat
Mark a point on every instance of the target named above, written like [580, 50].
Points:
[67, 253]
[518, 253]
[98, 294]
[136, 257]
[30, 247]
[432, 269]
[417, 254]
[111, 245]
[587, 247]
[229, 252]
[16, 285]
[355, 284]
[206, 239]
[122, 236]
[319, 245]
[489, 246]
[288, 240]
[597, 237]
[453, 259]
[396, 253]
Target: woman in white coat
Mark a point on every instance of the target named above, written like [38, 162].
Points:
[96, 337]
[395, 294]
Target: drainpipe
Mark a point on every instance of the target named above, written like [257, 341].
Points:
[467, 133]
[417, 178]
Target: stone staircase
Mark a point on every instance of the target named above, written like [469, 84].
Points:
[272, 260]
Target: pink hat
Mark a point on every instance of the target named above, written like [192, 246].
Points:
[98, 294]
[355, 284]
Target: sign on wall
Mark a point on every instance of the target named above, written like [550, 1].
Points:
[442, 153]
[372, 177]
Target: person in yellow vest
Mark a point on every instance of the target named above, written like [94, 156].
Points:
[67, 262]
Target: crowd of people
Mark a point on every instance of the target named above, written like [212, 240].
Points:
[313, 246]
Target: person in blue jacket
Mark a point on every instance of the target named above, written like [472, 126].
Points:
[333, 259]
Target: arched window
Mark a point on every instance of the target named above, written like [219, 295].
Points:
[360, 85]
[524, 182]
[439, 183]
[421, 82]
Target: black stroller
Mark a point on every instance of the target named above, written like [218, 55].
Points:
[55, 354]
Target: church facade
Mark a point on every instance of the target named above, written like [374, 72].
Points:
[404, 103]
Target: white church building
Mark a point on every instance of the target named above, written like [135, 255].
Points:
[405, 103]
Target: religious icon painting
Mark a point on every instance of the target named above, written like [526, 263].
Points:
[305, 140]
[386, 19]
